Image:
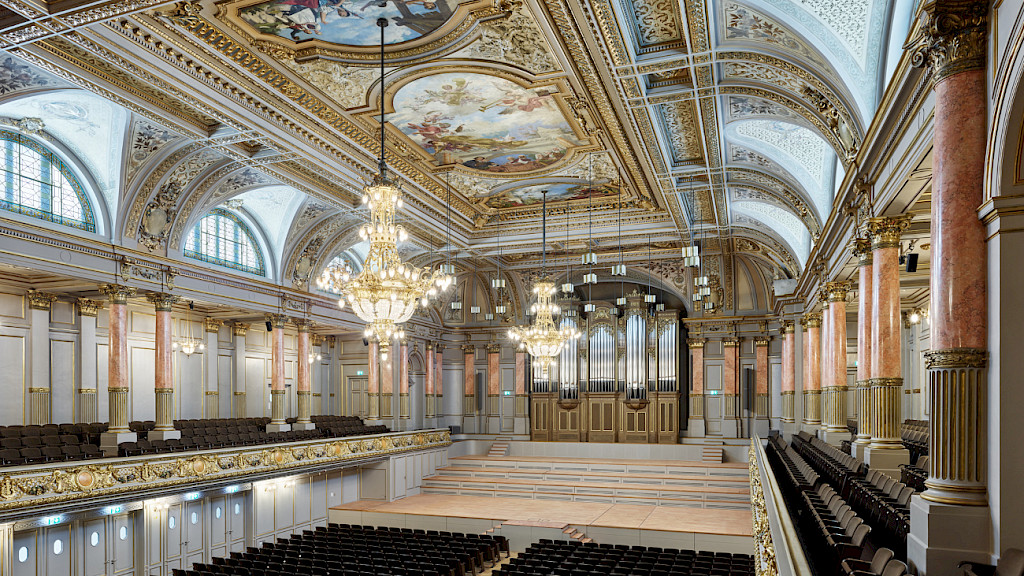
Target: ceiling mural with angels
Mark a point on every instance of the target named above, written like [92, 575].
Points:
[727, 123]
[348, 22]
[484, 122]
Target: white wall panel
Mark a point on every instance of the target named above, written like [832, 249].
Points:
[12, 377]
[142, 372]
[62, 381]
[189, 385]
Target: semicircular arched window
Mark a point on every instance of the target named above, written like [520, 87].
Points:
[222, 238]
[37, 183]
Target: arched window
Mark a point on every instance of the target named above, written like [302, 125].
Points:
[222, 238]
[38, 184]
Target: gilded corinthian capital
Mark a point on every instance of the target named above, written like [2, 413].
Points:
[951, 37]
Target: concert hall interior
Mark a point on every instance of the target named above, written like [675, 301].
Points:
[511, 287]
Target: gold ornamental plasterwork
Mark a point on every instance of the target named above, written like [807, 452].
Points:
[117, 293]
[40, 300]
[952, 37]
[49, 484]
[862, 250]
[761, 341]
[788, 326]
[212, 325]
[239, 328]
[162, 301]
[87, 307]
[835, 291]
[886, 231]
[766, 563]
[696, 342]
[812, 320]
[956, 358]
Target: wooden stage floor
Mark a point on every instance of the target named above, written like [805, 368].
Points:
[630, 516]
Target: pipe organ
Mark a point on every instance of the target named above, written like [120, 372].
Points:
[619, 382]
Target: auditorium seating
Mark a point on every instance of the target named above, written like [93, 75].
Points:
[914, 434]
[33, 444]
[347, 550]
[914, 475]
[573, 558]
[1011, 563]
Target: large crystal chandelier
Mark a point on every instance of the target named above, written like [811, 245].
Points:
[543, 339]
[386, 291]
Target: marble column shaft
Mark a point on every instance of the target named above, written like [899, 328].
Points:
[730, 376]
[493, 379]
[812, 369]
[886, 349]
[788, 387]
[864, 309]
[469, 379]
[303, 375]
[277, 383]
[118, 380]
[428, 382]
[761, 375]
[834, 415]
[163, 367]
[520, 385]
[404, 410]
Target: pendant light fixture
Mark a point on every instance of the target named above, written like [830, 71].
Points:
[387, 290]
[567, 286]
[189, 344]
[543, 339]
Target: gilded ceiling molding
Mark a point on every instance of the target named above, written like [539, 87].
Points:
[515, 39]
[791, 203]
[447, 38]
[762, 232]
[696, 18]
[757, 67]
[789, 194]
[642, 119]
[146, 141]
[680, 122]
[800, 107]
[749, 238]
[145, 190]
[312, 252]
[952, 37]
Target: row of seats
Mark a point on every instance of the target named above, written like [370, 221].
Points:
[837, 466]
[914, 434]
[573, 558]
[914, 475]
[20, 445]
[339, 426]
[348, 550]
[830, 530]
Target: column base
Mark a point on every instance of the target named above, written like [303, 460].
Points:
[835, 436]
[278, 427]
[943, 535]
[887, 460]
[858, 448]
[110, 440]
[163, 435]
[303, 426]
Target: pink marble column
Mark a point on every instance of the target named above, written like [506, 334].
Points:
[303, 420]
[428, 384]
[118, 378]
[404, 410]
[439, 367]
[730, 376]
[520, 385]
[862, 249]
[164, 382]
[761, 376]
[493, 379]
[277, 384]
[834, 420]
[373, 380]
[812, 369]
[886, 369]
[788, 387]
[469, 379]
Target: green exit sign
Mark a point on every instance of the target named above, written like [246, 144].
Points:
[506, 392]
[359, 372]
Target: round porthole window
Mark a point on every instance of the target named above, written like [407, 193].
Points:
[170, 522]
[23, 554]
[217, 512]
[94, 539]
[238, 509]
[123, 533]
[194, 518]
[58, 547]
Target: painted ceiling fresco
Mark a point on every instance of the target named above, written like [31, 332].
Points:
[349, 22]
[559, 191]
[483, 122]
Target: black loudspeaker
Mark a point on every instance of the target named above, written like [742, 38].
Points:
[270, 326]
[366, 342]
[911, 262]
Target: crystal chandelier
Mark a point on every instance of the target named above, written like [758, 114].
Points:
[543, 339]
[386, 291]
[189, 344]
[334, 277]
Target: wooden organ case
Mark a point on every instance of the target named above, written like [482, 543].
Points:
[619, 382]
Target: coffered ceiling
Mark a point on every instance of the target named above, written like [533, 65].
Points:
[716, 122]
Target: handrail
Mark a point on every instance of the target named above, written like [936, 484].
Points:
[777, 547]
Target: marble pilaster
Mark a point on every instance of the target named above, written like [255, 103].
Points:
[88, 359]
[788, 372]
[812, 369]
[834, 370]
[277, 384]
[39, 356]
[163, 429]
[303, 390]
[118, 378]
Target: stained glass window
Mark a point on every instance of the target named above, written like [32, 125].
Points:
[222, 238]
[38, 184]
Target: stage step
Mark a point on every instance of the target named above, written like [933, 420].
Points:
[652, 479]
[713, 454]
[623, 492]
[499, 447]
[586, 465]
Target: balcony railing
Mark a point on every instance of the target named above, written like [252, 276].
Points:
[49, 485]
[777, 549]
